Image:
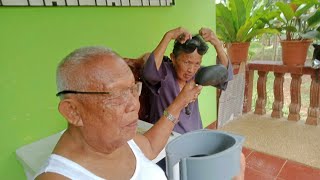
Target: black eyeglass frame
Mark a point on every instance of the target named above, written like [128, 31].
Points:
[190, 45]
[80, 92]
[195, 43]
[95, 92]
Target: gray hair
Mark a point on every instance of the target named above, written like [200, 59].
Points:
[65, 76]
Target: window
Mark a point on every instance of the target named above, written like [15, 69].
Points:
[87, 3]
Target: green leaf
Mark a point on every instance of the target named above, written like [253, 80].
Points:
[304, 1]
[240, 22]
[223, 35]
[238, 12]
[311, 35]
[243, 31]
[286, 10]
[303, 9]
[314, 20]
[225, 22]
[257, 32]
[271, 15]
[290, 29]
[255, 22]
[248, 4]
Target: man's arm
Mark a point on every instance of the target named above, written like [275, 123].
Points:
[155, 139]
[209, 36]
[180, 34]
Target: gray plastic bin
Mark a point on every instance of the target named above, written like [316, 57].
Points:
[205, 155]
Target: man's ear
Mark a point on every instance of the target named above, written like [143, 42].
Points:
[70, 111]
[173, 58]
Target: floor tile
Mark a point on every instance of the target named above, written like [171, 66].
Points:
[251, 174]
[246, 151]
[265, 163]
[297, 171]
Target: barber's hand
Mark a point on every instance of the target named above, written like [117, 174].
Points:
[209, 36]
[180, 34]
[189, 93]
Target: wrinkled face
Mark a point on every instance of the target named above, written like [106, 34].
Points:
[186, 65]
[109, 120]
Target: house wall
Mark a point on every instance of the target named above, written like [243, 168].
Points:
[34, 39]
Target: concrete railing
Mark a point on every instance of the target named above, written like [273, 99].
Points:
[279, 70]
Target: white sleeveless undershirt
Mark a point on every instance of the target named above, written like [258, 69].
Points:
[145, 169]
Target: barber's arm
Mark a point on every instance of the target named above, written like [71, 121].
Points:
[180, 34]
[155, 139]
[209, 36]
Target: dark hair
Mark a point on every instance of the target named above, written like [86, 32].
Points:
[190, 45]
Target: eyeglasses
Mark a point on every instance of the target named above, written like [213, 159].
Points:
[195, 43]
[135, 90]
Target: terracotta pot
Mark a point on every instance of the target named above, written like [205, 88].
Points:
[238, 52]
[294, 53]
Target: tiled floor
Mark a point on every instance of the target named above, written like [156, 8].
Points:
[260, 166]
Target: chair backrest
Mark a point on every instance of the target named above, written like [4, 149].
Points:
[136, 66]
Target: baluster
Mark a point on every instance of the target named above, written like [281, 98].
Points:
[314, 108]
[262, 95]
[295, 105]
[247, 101]
[278, 95]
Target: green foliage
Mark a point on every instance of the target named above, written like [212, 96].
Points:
[298, 20]
[240, 21]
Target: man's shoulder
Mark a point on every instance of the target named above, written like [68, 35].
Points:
[50, 175]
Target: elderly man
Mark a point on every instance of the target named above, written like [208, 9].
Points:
[99, 100]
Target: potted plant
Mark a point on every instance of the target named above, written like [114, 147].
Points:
[239, 21]
[299, 22]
